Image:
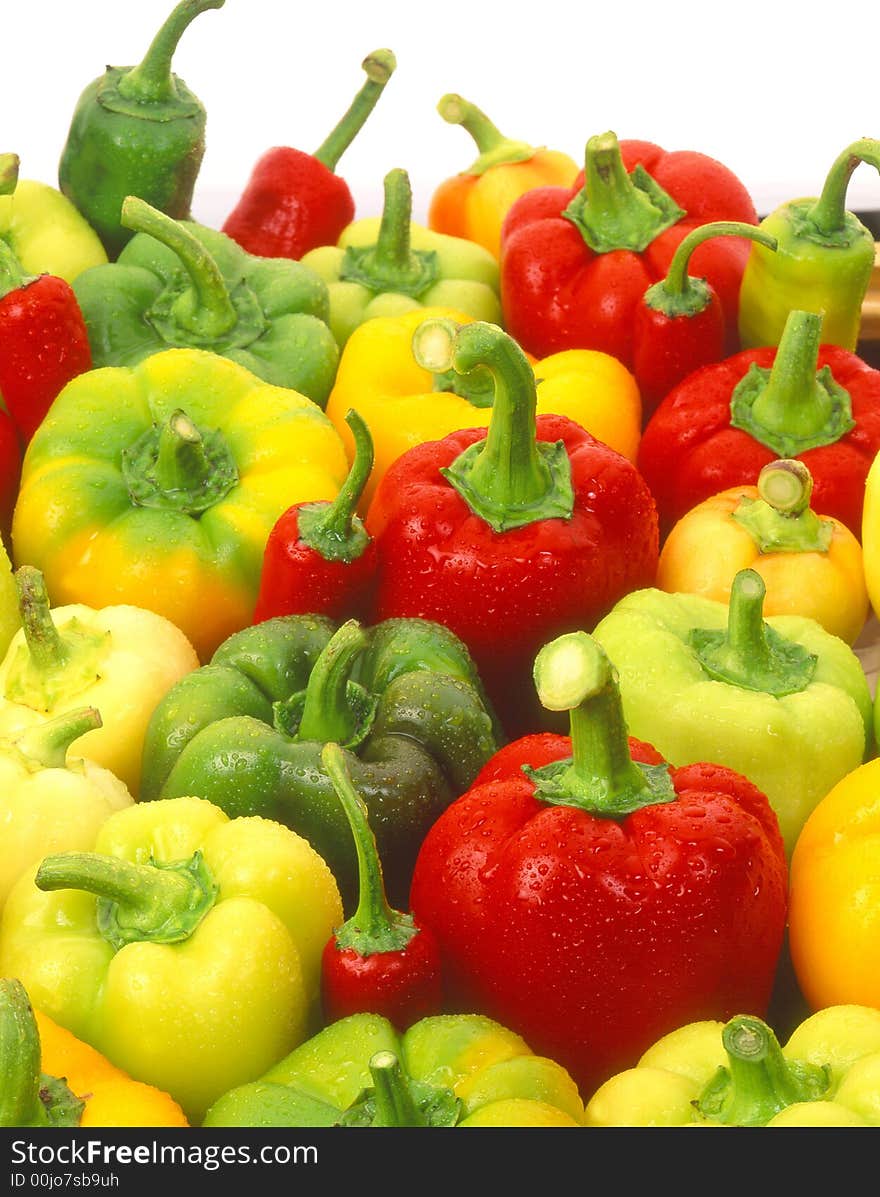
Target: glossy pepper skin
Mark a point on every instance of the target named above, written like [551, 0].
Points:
[118, 659]
[823, 262]
[715, 1074]
[593, 862]
[136, 131]
[834, 892]
[405, 403]
[721, 425]
[52, 799]
[811, 564]
[679, 321]
[52, 1079]
[158, 485]
[779, 700]
[380, 961]
[181, 285]
[511, 537]
[294, 201]
[576, 262]
[319, 558]
[387, 265]
[44, 230]
[474, 202]
[185, 947]
[402, 698]
[445, 1070]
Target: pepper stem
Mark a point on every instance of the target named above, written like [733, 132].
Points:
[790, 407]
[327, 714]
[495, 149]
[680, 294]
[509, 479]
[12, 275]
[780, 520]
[47, 648]
[375, 926]
[572, 673]
[391, 264]
[759, 1080]
[379, 66]
[47, 744]
[395, 1105]
[334, 529]
[155, 902]
[175, 466]
[206, 308]
[152, 79]
[828, 214]
[9, 167]
[29, 1098]
[616, 210]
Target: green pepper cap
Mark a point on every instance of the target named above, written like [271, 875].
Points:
[616, 210]
[827, 221]
[379, 67]
[791, 407]
[573, 673]
[176, 466]
[495, 149]
[392, 265]
[334, 529]
[397, 1100]
[510, 479]
[333, 707]
[680, 294]
[781, 520]
[28, 1098]
[759, 1081]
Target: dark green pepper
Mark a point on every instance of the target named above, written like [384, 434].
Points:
[183, 285]
[402, 699]
[136, 131]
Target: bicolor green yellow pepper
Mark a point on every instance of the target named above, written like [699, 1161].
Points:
[445, 1070]
[779, 700]
[185, 947]
[181, 284]
[736, 1074]
[158, 486]
[43, 228]
[119, 659]
[52, 800]
[384, 266]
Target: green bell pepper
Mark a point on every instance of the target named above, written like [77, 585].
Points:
[181, 284]
[246, 730]
[186, 947]
[779, 700]
[445, 1070]
[384, 266]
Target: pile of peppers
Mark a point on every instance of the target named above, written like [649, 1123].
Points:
[433, 672]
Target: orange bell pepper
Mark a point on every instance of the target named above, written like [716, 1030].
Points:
[811, 565]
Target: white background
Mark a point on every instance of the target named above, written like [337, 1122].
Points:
[774, 90]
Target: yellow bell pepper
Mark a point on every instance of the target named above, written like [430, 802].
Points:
[51, 1078]
[811, 565]
[404, 404]
[834, 917]
[158, 485]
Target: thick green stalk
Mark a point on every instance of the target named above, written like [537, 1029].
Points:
[379, 66]
[394, 1101]
[152, 80]
[495, 149]
[47, 744]
[334, 529]
[327, 714]
[829, 213]
[680, 294]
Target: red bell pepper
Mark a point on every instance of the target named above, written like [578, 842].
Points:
[319, 559]
[679, 324]
[380, 961]
[506, 539]
[725, 422]
[651, 896]
[576, 262]
[294, 201]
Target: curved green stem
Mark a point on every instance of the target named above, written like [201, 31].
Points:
[495, 149]
[780, 519]
[379, 66]
[391, 264]
[157, 903]
[47, 648]
[334, 529]
[28, 1098]
[375, 926]
[327, 714]
[509, 479]
[791, 407]
[152, 79]
[616, 210]
[9, 167]
[572, 673]
[679, 294]
[759, 1081]
[181, 461]
[175, 467]
[206, 309]
[828, 215]
[395, 1105]
[47, 744]
[12, 275]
